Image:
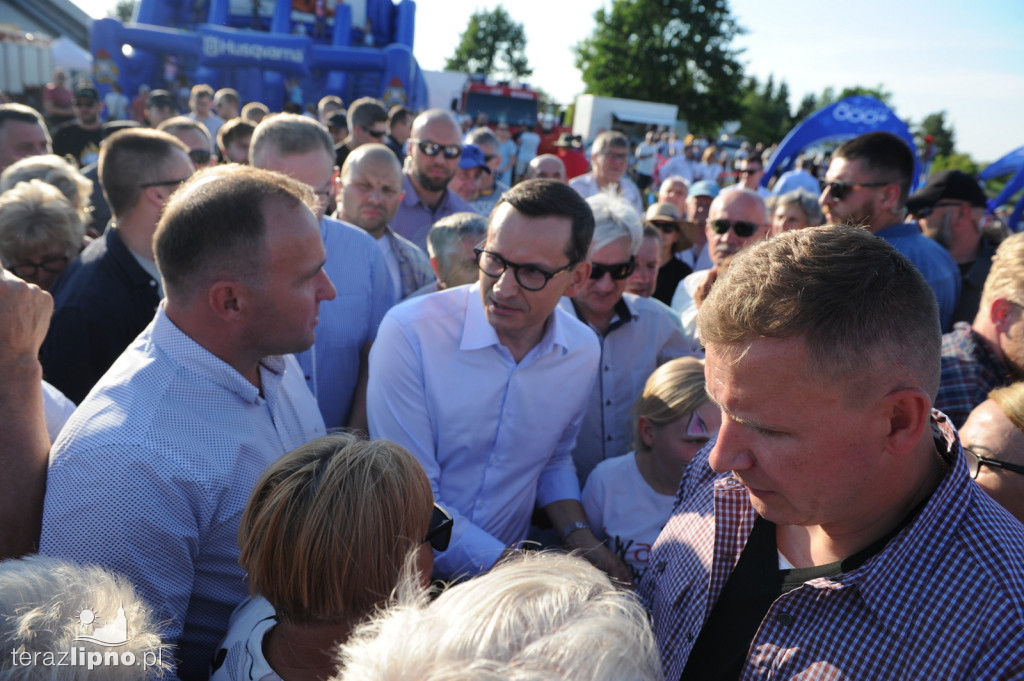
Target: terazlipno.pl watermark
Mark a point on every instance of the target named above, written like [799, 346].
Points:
[80, 657]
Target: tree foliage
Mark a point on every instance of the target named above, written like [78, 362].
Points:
[123, 10]
[493, 45]
[956, 162]
[672, 51]
[765, 117]
[944, 137]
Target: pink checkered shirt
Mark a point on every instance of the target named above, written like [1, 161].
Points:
[943, 600]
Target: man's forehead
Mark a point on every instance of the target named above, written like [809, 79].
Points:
[373, 169]
[440, 130]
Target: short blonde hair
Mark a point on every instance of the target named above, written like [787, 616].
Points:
[673, 391]
[34, 215]
[55, 170]
[536, 616]
[1006, 278]
[1010, 399]
[329, 525]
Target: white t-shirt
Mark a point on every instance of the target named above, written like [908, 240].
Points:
[625, 511]
[242, 648]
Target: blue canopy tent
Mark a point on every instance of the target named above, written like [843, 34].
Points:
[841, 120]
[1014, 161]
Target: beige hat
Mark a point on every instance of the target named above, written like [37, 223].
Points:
[663, 212]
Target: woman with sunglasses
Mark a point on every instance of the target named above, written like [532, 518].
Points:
[325, 537]
[993, 442]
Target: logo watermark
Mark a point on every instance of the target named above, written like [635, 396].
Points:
[88, 629]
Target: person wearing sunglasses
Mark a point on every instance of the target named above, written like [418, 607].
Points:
[193, 135]
[107, 295]
[329, 531]
[80, 137]
[434, 151]
[993, 442]
[491, 187]
[609, 161]
[867, 185]
[637, 334]
[486, 385]
[667, 219]
[367, 122]
[736, 220]
[950, 209]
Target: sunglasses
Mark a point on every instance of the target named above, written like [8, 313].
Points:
[376, 134]
[742, 228]
[200, 156]
[840, 190]
[619, 270]
[164, 183]
[440, 532]
[665, 226]
[30, 268]
[928, 210]
[433, 148]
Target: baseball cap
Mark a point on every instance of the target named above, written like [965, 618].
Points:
[955, 185]
[473, 157]
[338, 119]
[159, 98]
[88, 92]
[705, 188]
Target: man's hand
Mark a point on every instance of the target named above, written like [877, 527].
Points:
[25, 311]
[567, 512]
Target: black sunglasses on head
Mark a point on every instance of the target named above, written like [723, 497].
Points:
[433, 148]
[440, 532]
[742, 228]
[619, 270]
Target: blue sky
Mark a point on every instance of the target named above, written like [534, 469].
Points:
[966, 58]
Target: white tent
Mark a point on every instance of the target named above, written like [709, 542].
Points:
[70, 56]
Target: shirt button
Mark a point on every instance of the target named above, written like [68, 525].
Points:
[659, 566]
[609, 438]
[607, 368]
[608, 403]
[785, 619]
[689, 637]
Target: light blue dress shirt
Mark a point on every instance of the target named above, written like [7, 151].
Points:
[150, 475]
[644, 335]
[494, 436]
[347, 323]
[586, 186]
[933, 261]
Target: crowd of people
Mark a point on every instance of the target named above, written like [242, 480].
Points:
[295, 397]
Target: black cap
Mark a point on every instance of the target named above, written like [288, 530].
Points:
[160, 98]
[338, 119]
[954, 185]
[88, 92]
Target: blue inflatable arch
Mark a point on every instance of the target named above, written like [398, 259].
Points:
[1011, 163]
[841, 120]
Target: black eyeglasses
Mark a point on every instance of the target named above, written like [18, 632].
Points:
[840, 190]
[751, 171]
[376, 134]
[665, 226]
[163, 183]
[742, 228]
[433, 148]
[200, 156]
[31, 268]
[975, 461]
[619, 270]
[440, 533]
[85, 103]
[928, 210]
[530, 277]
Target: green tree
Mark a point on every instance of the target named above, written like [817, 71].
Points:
[672, 51]
[493, 45]
[124, 10]
[962, 162]
[944, 137]
[765, 117]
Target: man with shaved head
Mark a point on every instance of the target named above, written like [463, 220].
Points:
[546, 167]
[371, 189]
[736, 220]
[434, 150]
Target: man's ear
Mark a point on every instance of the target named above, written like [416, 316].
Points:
[434, 265]
[909, 413]
[579, 275]
[229, 300]
[1001, 313]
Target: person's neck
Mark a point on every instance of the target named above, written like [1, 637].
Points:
[215, 338]
[813, 545]
[95, 125]
[603, 182]
[968, 254]
[666, 256]
[136, 231]
[521, 343]
[430, 199]
[885, 221]
[304, 652]
[602, 322]
[659, 479]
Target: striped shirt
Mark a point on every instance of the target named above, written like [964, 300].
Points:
[943, 600]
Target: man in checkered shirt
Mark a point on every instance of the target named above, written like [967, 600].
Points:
[832, 530]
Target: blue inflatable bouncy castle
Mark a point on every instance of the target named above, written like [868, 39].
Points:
[268, 50]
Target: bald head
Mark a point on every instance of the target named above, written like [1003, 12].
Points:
[546, 166]
[371, 188]
[435, 120]
[736, 219]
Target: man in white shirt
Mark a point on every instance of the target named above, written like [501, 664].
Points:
[174, 436]
[608, 165]
[486, 385]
